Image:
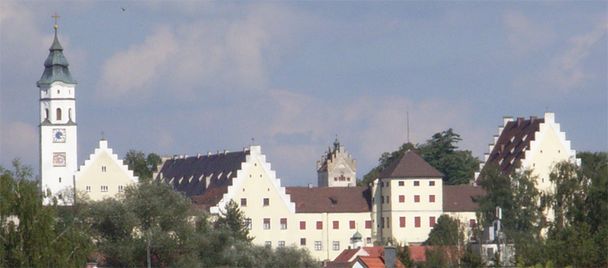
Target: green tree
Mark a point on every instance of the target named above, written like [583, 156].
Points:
[446, 232]
[232, 220]
[143, 166]
[441, 152]
[37, 235]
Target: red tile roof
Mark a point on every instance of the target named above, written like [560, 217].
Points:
[330, 199]
[513, 142]
[417, 253]
[460, 198]
[367, 256]
[371, 262]
[410, 165]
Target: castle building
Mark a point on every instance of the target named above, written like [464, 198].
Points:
[535, 144]
[325, 220]
[103, 175]
[58, 129]
[337, 168]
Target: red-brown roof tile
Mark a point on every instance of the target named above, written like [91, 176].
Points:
[458, 198]
[330, 199]
[410, 165]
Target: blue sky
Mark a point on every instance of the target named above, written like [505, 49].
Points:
[188, 77]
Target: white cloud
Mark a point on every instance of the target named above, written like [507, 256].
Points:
[18, 140]
[566, 71]
[232, 53]
[525, 35]
[138, 67]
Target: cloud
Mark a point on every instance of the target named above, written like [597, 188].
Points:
[138, 67]
[18, 140]
[204, 54]
[566, 71]
[525, 35]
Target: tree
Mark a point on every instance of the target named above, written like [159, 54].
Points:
[446, 232]
[232, 219]
[150, 224]
[441, 152]
[458, 167]
[37, 235]
[143, 166]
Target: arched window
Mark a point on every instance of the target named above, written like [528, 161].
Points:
[70, 113]
[46, 114]
[58, 113]
[59, 179]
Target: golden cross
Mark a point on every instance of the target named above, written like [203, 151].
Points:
[56, 17]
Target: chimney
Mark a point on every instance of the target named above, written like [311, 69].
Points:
[520, 121]
[390, 256]
[309, 185]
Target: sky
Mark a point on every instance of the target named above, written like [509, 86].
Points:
[188, 77]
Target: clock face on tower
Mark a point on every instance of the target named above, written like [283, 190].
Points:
[59, 159]
[59, 135]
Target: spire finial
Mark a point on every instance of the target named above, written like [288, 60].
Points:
[55, 26]
[336, 143]
[103, 136]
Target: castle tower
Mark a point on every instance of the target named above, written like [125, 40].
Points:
[337, 168]
[58, 136]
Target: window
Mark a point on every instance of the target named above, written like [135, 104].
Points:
[401, 198]
[368, 240]
[432, 198]
[319, 225]
[416, 183]
[318, 246]
[431, 183]
[58, 112]
[336, 225]
[243, 202]
[281, 244]
[46, 114]
[266, 202]
[382, 222]
[388, 199]
[351, 224]
[121, 188]
[402, 222]
[302, 225]
[266, 224]
[417, 222]
[88, 188]
[302, 241]
[248, 223]
[401, 183]
[59, 179]
[368, 224]
[416, 199]
[432, 221]
[335, 245]
[103, 168]
[388, 222]
[268, 244]
[283, 223]
[104, 188]
[472, 223]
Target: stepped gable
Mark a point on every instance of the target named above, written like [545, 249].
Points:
[330, 199]
[513, 142]
[205, 176]
[410, 165]
[460, 198]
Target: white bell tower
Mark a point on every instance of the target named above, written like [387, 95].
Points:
[58, 136]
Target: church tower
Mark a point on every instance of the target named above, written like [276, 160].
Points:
[58, 136]
[337, 168]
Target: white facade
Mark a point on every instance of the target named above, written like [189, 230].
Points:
[407, 208]
[103, 175]
[337, 168]
[58, 138]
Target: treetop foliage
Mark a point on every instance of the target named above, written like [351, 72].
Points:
[143, 166]
[441, 152]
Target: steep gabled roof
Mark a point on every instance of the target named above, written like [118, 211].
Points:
[460, 198]
[56, 66]
[513, 142]
[330, 199]
[410, 165]
[205, 176]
